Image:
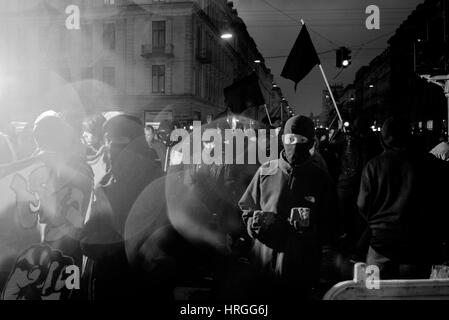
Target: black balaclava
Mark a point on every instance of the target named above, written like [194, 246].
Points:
[297, 154]
[126, 127]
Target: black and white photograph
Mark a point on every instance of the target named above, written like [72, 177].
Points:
[223, 156]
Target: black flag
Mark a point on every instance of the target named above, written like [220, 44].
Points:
[302, 58]
[244, 94]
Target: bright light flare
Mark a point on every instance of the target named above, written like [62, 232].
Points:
[227, 36]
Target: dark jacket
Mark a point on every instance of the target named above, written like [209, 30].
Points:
[103, 236]
[401, 199]
[280, 250]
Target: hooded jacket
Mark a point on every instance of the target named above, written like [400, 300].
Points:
[401, 200]
[280, 251]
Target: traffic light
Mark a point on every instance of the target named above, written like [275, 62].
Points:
[343, 57]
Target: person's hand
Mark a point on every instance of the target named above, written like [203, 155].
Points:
[295, 224]
[263, 219]
[299, 219]
[260, 221]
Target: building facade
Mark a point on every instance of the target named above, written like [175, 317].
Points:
[391, 83]
[372, 86]
[328, 112]
[160, 60]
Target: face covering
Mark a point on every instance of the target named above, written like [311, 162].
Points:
[114, 151]
[297, 154]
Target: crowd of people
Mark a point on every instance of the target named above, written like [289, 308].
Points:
[105, 196]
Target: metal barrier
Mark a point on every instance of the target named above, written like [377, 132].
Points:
[365, 286]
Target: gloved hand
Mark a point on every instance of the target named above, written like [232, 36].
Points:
[260, 221]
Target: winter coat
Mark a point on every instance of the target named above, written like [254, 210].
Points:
[401, 197]
[280, 251]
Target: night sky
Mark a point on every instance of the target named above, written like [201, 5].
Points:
[331, 24]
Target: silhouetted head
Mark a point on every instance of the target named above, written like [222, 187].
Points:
[361, 125]
[123, 132]
[52, 133]
[395, 133]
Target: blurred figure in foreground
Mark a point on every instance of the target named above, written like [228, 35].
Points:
[48, 194]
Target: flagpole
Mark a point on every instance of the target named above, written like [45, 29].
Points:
[331, 94]
[268, 115]
[328, 88]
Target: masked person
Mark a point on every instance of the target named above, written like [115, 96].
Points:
[131, 169]
[290, 212]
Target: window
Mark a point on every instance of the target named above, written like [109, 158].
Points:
[158, 79]
[109, 36]
[109, 2]
[109, 76]
[159, 36]
[87, 37]
[199, 37]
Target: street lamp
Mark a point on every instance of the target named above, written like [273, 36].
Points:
[371, 86]
[226, 35]
[257, 61]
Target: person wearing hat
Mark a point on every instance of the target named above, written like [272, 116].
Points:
[401, 200]
[289, 211]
